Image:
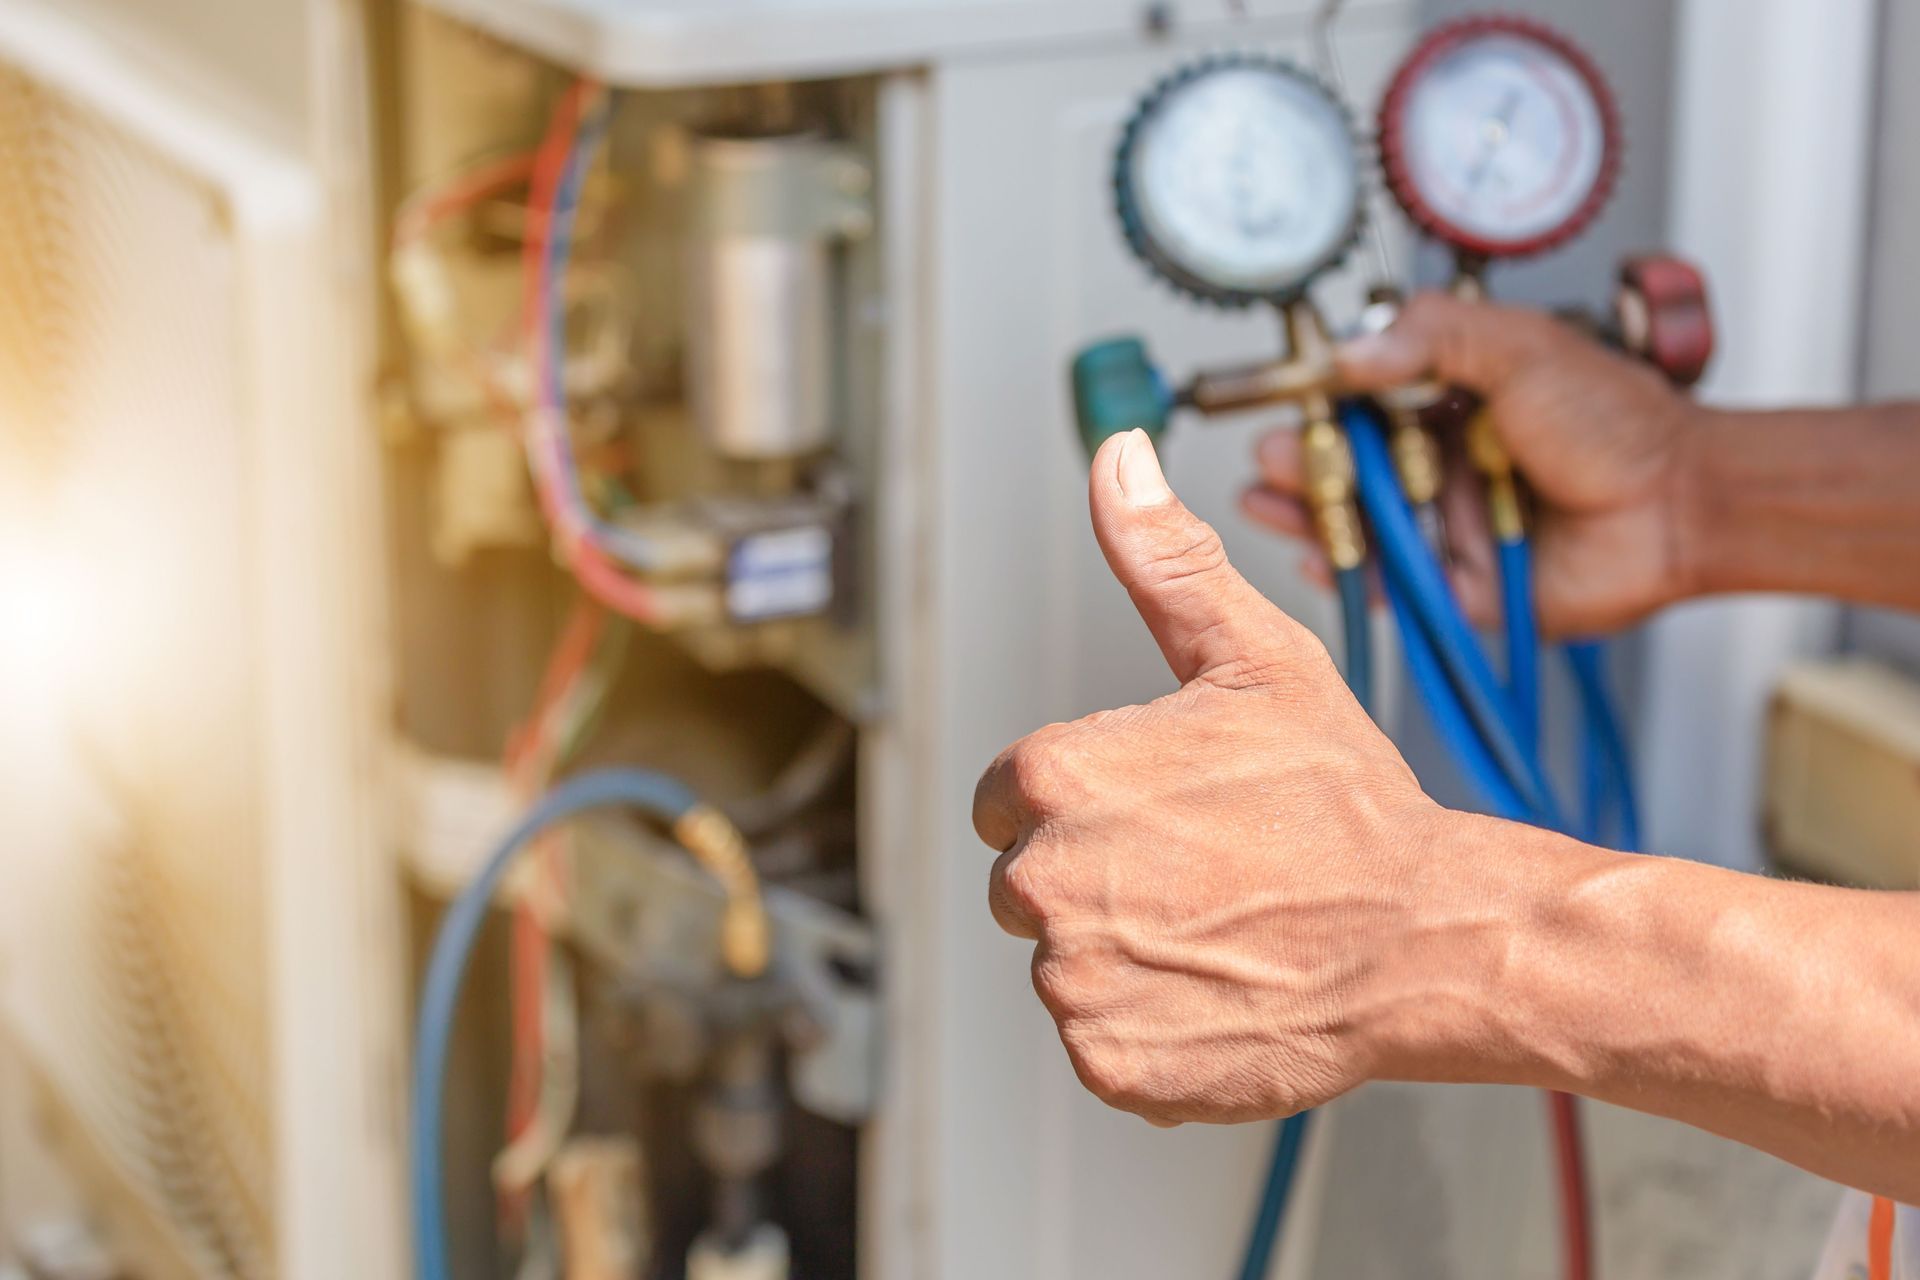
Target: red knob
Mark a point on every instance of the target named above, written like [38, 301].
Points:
[1664, 316]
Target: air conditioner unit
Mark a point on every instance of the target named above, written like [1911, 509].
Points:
[198, 957]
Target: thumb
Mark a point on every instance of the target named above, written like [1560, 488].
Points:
[1476, 345]
[1208, 620]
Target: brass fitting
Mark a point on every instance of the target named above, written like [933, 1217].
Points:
[1416, 457]
[1490, 458]
[716, 844]
[1328, 460]
[1306, 373]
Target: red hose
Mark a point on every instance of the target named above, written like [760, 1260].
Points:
[1576, 1223]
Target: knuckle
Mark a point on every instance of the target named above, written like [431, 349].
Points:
[1535, 333]
[1061, 980]
[1287, 657]
[1041, 767]
[1189, 553]
[1051, 987]
[1425, 310]
[1114, 1076]
[1024, 889]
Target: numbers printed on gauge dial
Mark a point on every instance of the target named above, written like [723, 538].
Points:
[1498, 137]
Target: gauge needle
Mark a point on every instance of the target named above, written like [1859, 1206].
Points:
[1496, 131]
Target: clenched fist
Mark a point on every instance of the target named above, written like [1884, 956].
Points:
[1217, 881]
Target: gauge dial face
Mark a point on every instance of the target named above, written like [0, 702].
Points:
[1498, 137]
[1239, 181]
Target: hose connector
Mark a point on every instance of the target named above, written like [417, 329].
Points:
[1416, 457]
[1330, 488]
[1490, 458]
[716, 844]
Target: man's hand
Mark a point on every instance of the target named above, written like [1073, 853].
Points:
[1212, 878]
[1601, 439]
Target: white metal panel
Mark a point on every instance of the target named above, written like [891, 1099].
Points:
[1030, 1177]
[1773, 138]
[198, 951]
[661, 43]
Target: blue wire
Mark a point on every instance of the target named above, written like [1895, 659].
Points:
[551, 308]
[1588, 661]
[655, 794]
[1523, 641]
[1408, 560]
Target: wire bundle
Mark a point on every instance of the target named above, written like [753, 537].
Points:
[597, 552]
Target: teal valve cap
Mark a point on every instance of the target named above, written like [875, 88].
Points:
[1116, 389]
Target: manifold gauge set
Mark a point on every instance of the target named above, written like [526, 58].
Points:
[1241, 180]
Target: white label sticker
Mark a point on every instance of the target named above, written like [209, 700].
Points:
[783, 574]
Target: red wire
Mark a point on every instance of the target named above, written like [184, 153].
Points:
[1880, 1240]
[1576, 1227]
[526, 751]
[548, 160]
[570, 656]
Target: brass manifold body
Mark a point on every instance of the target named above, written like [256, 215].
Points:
[1308, 377]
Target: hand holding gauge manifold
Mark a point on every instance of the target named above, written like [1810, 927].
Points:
[1600, 438]
[1499, 138]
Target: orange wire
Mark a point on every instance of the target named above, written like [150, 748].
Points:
[420, 215]
[1880, 1240]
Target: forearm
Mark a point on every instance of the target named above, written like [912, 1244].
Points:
[1816, 501]
[1785, 1016]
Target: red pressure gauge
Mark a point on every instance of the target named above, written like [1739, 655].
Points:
[1499, 137]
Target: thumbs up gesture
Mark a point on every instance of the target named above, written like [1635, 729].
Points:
[1224, 884]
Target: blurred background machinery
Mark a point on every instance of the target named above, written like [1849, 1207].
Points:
[407, 405]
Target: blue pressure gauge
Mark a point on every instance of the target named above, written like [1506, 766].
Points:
[1238, 180]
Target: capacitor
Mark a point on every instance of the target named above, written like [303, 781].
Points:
[768, 215]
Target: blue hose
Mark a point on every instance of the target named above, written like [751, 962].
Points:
[1273, 1197]
[1596, 783]
[1523, 641]
[1359, 634]
[1607, 741]
[1285, 1162]
[654, 794]
[1450, 719]
[1411, 564]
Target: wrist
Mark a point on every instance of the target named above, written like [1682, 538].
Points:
[1467, 991]
[1695, 504]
